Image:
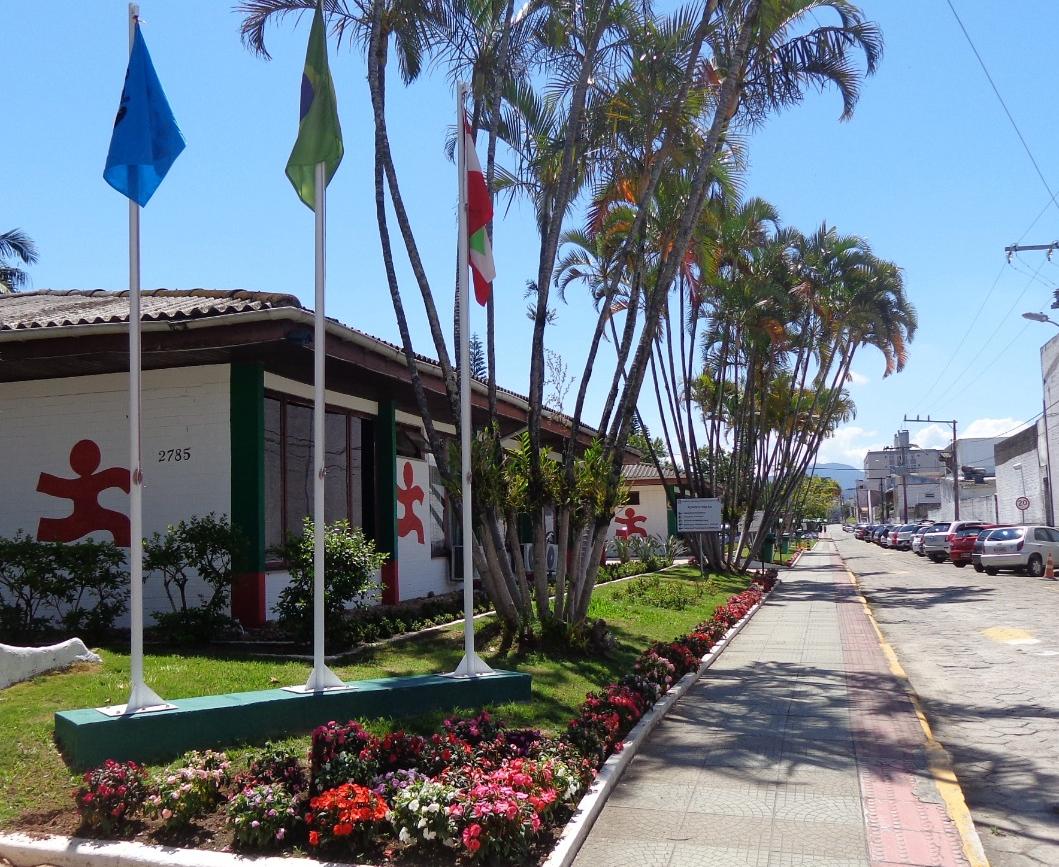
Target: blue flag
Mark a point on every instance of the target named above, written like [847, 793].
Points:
[146, 139]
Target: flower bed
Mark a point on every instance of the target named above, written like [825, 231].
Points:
[477, 790]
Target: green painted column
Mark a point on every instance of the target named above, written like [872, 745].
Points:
[247, 404]
[385, 430]
[671, 516]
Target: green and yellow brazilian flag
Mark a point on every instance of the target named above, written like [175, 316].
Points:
[319, 133]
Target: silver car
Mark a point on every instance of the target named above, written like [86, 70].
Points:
[917, 538]
[1021, 549]
[933, 544]
[936, 542]
[904, 537]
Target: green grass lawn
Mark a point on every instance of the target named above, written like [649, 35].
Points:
[34, 780]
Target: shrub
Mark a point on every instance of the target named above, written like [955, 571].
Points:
[110, 795]
[263, 816]
[348, 812]
[396, 751]
[271, 765]
[388, 785]
[654, 590]
[98, 586]
[483, 727]
[187, 793]
[203, 545]
[82, 584]
[656, 668]
[495, 820]
[419, 813]
[350, 564]
[339, 753]
[195, 626]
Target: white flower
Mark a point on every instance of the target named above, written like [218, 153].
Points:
[404, 836]
[428, 834]
[414, 806]
[434, 807]
[422, 823]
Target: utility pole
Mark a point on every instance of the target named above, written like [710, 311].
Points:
[1028, 248]
[955, 462]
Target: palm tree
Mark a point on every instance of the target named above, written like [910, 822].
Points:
[15, 247]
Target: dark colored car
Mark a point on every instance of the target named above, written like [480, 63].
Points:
[880, 531]
[960, 544]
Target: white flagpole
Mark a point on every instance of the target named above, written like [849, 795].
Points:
[471, 664]
[141, 695]
[321, 677]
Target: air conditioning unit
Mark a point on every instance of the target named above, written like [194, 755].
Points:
[527, 556]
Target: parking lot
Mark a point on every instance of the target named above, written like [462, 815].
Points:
[983, 653]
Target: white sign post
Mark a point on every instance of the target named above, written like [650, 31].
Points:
[699, 515]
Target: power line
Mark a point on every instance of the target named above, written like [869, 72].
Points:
[1015, 126]
[988, 340]
[963, 339]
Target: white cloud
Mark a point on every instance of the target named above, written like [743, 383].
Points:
[858, 378]
[991, 427]
[848, 445]
[933, 436]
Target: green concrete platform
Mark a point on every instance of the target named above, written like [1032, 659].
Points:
[88, 737]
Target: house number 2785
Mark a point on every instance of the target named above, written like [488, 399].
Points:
[169, 455]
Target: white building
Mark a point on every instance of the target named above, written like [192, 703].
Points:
[227, 428]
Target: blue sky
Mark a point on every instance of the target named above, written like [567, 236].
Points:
[928, 170]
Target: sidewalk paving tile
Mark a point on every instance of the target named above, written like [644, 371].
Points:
[798, 748]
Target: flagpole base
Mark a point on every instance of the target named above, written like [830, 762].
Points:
[321, 679]
[472, 665]
[142, 699]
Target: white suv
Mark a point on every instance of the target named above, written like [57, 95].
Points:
[1020, 548]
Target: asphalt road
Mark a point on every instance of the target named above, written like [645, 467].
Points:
[983, 654]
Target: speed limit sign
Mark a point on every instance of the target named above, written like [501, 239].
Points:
[1022, 503]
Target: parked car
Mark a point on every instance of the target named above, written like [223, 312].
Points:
[882, 535]
[1020, 548]
[901, 537]
[979, 545]
[936, 542]
[917, 538]
[961, 543]
[933, 545]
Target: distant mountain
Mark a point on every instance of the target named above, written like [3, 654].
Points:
[844, 474]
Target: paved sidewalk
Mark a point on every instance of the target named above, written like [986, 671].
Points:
[798, 748]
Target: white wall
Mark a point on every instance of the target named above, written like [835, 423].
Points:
[418, 572]
[977, 502]
[1050, 447]
[183, 408]
[1027, 480]
[652, 507]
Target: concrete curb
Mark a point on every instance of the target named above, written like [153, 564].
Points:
[25, 851]
[588, 810]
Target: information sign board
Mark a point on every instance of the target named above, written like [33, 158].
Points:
[699, 515]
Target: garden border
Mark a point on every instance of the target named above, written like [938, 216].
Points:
[590, 806]
[31, 850]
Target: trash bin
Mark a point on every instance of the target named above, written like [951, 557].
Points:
[785, 543]
[767, 548]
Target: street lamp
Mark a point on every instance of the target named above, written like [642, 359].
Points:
[1040, 317]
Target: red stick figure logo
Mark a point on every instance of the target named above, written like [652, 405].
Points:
[630, 522]
[409, 522]
[87, 515]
